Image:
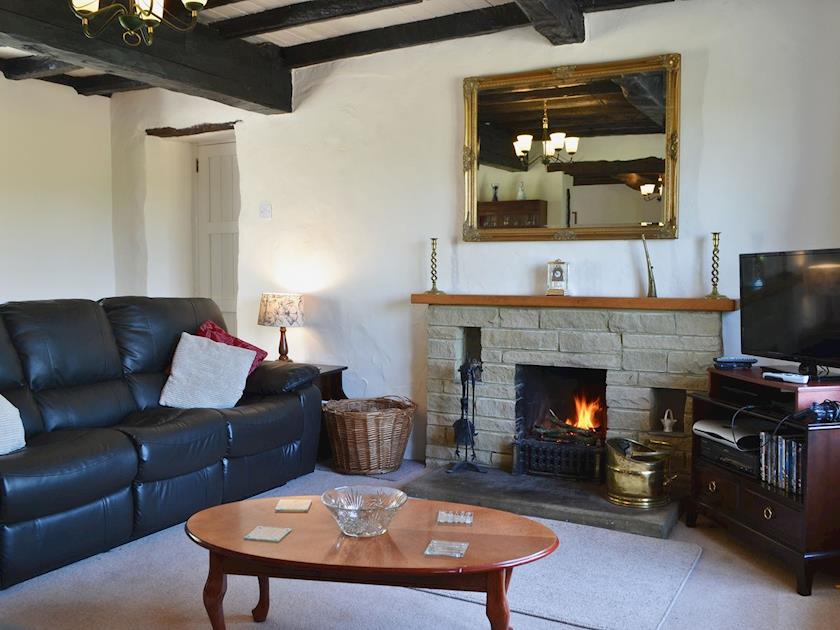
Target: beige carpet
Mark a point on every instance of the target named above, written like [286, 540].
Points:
[597, 579]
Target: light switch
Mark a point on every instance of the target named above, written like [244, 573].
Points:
[265, 210]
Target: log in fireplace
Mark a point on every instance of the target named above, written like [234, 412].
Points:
[561, 422]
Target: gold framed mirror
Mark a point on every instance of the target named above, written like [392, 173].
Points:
[573, 152]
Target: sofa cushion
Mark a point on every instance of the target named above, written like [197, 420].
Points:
[206, 373]
[29, 412]
[13, 385]
[85, 406]
[212, 331]
[62, 470]
[263, 425]
[70, 361]
[63, 343]
[11, 372]
[148, 329]
[11, 428]
[173, 442]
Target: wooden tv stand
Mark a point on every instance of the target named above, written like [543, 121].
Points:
[803, 531]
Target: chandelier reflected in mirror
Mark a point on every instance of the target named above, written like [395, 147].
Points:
[138, 18]
[553, 144]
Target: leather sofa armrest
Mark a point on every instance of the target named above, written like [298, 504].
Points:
[279, 377]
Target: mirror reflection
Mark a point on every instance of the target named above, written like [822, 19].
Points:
[583, 153]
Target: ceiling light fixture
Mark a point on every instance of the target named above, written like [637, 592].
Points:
[553, 144]
[138, 18]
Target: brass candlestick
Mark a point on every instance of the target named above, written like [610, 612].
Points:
[715, 295]
[434, 290]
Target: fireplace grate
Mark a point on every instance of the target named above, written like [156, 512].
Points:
[575, 461]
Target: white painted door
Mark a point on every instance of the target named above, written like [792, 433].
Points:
[217, 227]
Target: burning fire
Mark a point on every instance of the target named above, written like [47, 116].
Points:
[587, 413]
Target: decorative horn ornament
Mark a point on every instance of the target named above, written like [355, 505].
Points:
[651, 293]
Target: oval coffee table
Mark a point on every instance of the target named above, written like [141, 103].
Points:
[317, 550]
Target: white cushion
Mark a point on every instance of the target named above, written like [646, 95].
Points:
[12, 436]
[206, 374]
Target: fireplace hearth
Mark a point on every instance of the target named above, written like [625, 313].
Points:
[561, 422]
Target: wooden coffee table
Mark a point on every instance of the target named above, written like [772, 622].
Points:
[317, 550]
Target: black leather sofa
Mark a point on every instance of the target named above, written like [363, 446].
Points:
[104, 463]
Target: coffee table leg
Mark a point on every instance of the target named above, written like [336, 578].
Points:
[498, 610]
[214, 592]
[261, 611]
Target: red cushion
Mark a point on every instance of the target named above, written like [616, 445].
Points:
[214, 332]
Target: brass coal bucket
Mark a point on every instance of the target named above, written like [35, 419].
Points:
[637, 475]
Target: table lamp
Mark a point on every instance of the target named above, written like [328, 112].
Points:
[281, 310]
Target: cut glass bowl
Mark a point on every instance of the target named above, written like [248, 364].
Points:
[363, 511]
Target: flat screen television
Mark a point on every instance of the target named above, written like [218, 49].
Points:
[790, 307]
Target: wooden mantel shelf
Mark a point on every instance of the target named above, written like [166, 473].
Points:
[574, 301]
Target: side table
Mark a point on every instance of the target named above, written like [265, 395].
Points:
[331, 384]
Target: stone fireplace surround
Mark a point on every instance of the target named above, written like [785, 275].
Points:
[643, 351]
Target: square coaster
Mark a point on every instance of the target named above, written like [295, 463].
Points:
[447, 517]
[262, 533]
[448, 548]
[293, 505]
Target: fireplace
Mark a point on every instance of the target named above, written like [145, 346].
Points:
[561, 421]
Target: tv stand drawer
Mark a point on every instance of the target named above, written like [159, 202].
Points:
[716, 488]
[772, 518]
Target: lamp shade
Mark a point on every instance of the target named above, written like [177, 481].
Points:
[86, 7]
[281, 310]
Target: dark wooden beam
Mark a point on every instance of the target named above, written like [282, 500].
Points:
[299, 14]
[496, 148]
[98, 85]
[199, 63]
[33, 67]
[632, 173]
[465, 24]
[646, 92]
[591, 6]
[172, 132]
[215, 4]
[559, 21]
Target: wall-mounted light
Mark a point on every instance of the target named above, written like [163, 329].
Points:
[652, 192]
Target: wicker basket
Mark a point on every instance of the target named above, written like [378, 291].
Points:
[368, 436]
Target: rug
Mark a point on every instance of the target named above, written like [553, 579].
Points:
[598, 579]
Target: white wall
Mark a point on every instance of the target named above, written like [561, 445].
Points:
[369, 167]
[55, 193]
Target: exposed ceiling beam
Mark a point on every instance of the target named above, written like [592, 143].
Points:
[590, 6]
[172, 132]
[98, 85]
[611, 168]
[299, 14]
[496, 149]
[215, 4]
[200, 63]
[591, 130]
[33, 67]
[631, 173]
[465, 24]
[559, 21]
